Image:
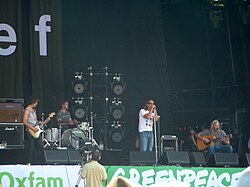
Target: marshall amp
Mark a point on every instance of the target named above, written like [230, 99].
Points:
[11, 110]
[12, 134]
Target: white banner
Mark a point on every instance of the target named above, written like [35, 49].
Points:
[39, 176]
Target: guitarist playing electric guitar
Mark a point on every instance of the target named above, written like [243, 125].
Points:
[31, 122]
[214, 140]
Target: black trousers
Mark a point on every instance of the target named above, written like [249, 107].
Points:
[33, 145]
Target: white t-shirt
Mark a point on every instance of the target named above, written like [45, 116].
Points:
[145, 124]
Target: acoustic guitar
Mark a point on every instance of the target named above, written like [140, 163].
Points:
[201, 145]
[39, 126]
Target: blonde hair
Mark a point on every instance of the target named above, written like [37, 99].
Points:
[214, 122]
[120, 182]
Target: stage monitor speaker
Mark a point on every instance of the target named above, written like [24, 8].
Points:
[55, 156]
[11, 110]
[197, 159]
[177, 158]
[74, 156]
[111, 157]
[224, 159]
[248, 158]
[142, 157]
[13, 134]
[245, 159]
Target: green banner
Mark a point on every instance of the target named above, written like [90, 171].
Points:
[196, 176]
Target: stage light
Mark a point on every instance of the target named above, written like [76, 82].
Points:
[217, 3]
[116, 109]
[118, 85]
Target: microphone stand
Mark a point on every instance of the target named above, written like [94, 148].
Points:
[155, 137]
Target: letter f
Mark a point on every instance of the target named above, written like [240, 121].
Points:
[42, 28]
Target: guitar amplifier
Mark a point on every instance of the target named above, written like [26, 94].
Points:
[12, 134]
[11, 110]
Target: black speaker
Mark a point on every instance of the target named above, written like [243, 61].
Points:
[197, 159]
[177, 158]
[13, 134]
[74, 157]
[245, 159]
[224, 159]
[56, 157]
[111, 157]
[142, 157]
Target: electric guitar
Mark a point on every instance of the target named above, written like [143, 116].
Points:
[39, 126]
[201, 145]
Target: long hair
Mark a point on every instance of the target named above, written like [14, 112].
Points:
[33, 100]
[212, 124]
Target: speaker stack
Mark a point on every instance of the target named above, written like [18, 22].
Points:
[11, 128]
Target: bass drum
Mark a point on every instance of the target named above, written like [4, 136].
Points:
[74, 138]
[52, 135]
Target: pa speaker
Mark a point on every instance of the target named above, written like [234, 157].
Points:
[177, 158]
[56, 157]
[111, 157]
[142, 157]
[197, 159]
[74, 156]
[245, 159]
[224, 159]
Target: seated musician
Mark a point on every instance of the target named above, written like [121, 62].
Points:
[214, 140]
[64, 117]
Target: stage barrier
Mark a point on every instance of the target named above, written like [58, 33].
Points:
[67, 175]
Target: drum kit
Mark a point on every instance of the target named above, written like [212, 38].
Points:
[76, 138]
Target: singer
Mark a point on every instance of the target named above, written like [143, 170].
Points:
[215, 139]
[147, 116]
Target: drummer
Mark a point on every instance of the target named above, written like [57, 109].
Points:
[64, 118]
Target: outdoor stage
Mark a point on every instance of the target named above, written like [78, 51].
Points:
[67, 175]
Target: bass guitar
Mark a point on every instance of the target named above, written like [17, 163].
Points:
[39, 126]
[201, 145]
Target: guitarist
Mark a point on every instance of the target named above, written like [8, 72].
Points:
[30, 121]
[216, 138]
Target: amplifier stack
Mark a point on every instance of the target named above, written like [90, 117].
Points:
[11, 128]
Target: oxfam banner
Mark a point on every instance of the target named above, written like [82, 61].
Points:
[39, 176]
[66, 176]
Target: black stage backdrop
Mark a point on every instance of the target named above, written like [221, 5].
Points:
[11, 81]
[125, 36]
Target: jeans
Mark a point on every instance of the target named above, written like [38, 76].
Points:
[33, 145]
[146, 140]
[219, 149]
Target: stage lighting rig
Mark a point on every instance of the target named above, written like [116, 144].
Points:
[79, 85]
[116, 109]
[217, 3]
[118, 85]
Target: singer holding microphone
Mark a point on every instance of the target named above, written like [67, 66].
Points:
[221, 142]
[147, 116]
